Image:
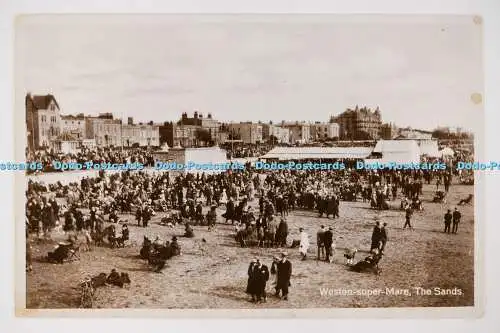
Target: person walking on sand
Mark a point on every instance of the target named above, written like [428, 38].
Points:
[304, 243]
[456, 220]
[447, 221]
[251, 280]
[261, 276]
[320, 241]
[284, 269]
[376, 235]
[328, 241]
[383, 237]
[408, 214]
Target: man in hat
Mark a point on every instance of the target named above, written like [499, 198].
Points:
[138, 215]
[125, 232]
[320, 241]
[261, 276]
[408, 215]
[456, 220]
[447, 221]
[383, 237]
[212, 217]
[328, 241]
[199, 213]
[284, 272]
[229, 214]
[376, 236]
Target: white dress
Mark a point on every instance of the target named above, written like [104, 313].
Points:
[304, 243]
[223, 197]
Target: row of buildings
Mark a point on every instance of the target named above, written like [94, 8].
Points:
[197, 130]
[48, 128]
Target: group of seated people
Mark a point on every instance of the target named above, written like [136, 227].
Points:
[370, 263]
[63, 250]
[415, 203]
[114, 278]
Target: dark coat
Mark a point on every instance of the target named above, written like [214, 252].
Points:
[383, 234]
[229, 214]
[284, 273]
[376, 237]
[251, 279]
[283, 228]
[328, 237]
[377, 232]
[331, 206]
[261, 276]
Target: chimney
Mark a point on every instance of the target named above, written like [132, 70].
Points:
[130, 121]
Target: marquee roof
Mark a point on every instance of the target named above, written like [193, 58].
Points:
[303, 153]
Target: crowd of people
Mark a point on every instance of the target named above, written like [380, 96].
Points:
[184, 197]
[96, 155]
[240, 150]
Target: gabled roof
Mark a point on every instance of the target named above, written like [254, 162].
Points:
[41, 102]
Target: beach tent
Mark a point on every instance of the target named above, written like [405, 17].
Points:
[429, 148]
[398, 151]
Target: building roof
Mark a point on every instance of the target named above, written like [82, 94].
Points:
[41, 102]
[73, 117]
[395, 146]
[302, 153]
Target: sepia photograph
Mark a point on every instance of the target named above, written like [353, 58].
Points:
[257, 162]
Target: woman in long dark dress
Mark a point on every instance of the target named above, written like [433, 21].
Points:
[251, 290]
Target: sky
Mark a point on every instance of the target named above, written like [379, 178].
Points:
[419, 70]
